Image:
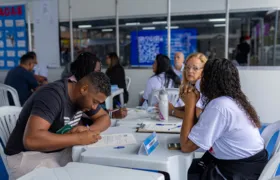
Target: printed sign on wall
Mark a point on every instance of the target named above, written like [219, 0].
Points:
[13, 35]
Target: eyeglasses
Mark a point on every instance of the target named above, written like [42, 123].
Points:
[194, 68]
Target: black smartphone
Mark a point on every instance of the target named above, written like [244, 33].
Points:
[174, 146]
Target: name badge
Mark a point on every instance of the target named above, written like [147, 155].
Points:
[149, 144]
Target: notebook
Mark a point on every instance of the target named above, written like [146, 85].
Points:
[173, 128]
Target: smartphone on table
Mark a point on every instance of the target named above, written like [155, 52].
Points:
[174, 146]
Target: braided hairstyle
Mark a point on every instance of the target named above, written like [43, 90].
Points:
[221, 78]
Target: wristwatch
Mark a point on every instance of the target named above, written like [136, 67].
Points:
[172, 112]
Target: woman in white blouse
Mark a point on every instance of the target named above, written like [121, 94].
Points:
[164, 77]
[227, 128]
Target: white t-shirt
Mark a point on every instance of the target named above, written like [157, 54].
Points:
[156, 83]
[227, 129]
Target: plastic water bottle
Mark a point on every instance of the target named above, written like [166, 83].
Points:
[163, 105]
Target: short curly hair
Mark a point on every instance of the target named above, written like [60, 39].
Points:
[221, 78]
[100, 82]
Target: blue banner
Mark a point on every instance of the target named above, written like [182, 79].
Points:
[146, 44]
[13, 35]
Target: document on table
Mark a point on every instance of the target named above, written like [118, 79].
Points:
[115, 140]
[173, 128]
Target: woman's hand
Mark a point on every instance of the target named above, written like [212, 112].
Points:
[170, 108]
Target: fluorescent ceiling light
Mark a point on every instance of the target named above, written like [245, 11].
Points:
[159, 22]
[219, 25]
[149, 28]
[172, 27]
[217, 20]
[84, 26]
[132, 24]
[107, 30]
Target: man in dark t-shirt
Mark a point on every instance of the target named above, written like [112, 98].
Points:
[22, 79]
[51, 108]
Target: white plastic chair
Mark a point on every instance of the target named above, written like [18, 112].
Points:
[4, 100]
[173, 95]
[109, 100]
[271, 167]
[267, 134]
[128, 82]
[8, 119]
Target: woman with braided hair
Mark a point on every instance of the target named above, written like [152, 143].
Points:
[227, 128]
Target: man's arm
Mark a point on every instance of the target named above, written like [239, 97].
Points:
[101, 121]
[38, 138]
[31, 80]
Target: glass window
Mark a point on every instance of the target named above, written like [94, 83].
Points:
[96, 36]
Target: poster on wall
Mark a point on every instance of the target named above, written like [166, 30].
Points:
[146, 44]
[13, 35]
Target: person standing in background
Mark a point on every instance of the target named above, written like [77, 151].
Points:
[179, 64]
[22, 79]
[243, 50]
[116, 74]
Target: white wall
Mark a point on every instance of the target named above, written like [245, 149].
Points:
[261, 85]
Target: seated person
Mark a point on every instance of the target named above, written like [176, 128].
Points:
[179, 64]
[84, 64]
[22, 79]
[116, 74]
[48, 110]
[164, 77]
[40, 71]
[227, 128]
[191, 77]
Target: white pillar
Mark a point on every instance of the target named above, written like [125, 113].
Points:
[71, 30]
[275, 37]
[168, 28]
[29, 28]
[227, 29]
[117, 28]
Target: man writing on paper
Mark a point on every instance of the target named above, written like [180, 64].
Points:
[34, 140]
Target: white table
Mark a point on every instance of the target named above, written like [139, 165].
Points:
[109, 100]
[173, 162]
[73, 171]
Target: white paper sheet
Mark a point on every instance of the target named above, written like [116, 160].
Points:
[115, 140]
